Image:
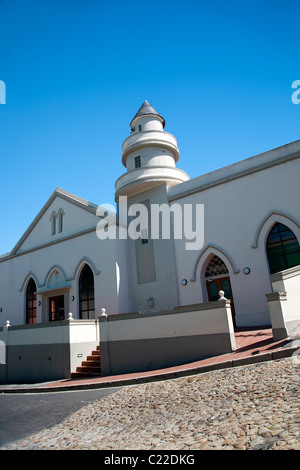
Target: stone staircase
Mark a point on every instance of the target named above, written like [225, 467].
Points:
[91, 367]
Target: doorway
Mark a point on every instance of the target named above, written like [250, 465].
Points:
[57, 308]
[217, 278]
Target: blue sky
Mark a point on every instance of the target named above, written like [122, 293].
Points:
[76, 72]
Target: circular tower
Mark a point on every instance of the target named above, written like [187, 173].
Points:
[149, 154]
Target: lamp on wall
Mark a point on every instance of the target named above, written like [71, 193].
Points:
[184, 282]
[72, 298]
[246, 270]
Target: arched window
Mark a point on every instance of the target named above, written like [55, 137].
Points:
[283, 249]
[86, 293]
[216, 267]
[53, 224]
[217, 279]
[60, 221]
[31, 302]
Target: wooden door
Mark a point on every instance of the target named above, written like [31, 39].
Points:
[215, 285]
[56, 308]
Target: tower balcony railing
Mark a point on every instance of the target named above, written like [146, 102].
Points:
[148, 177]
[149, 138]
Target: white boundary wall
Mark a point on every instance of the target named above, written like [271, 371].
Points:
[284, 302]
[45, 351]
[144, 341]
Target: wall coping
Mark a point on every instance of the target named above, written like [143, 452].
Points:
[286, 274]
[274, 296]
[51, 324]
[174, 310]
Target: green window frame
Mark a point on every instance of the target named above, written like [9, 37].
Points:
[283, 250]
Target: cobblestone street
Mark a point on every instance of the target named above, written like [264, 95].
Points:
[249, 407]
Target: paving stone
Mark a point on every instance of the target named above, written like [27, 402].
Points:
[247, 407]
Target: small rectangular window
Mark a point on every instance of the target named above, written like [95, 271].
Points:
[144, 238]
[137, 162]
[140, 127]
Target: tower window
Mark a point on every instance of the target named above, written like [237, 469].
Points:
[137, 162]
[140, 127]
[144, 237]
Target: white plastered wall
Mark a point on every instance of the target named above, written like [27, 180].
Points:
[238, 216]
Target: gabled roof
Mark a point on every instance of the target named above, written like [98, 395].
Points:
[147, 109]
[82, 203]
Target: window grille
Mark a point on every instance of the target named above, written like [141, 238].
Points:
[86, 294]
[31, 302]
[216, 267]
[137, 162]
[282, 249]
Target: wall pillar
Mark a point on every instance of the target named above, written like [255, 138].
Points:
[277, 302]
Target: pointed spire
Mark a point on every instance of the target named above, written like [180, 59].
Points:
[147, 109]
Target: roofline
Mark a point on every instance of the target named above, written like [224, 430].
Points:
[147, 110]
[83, 203]
[240, 169]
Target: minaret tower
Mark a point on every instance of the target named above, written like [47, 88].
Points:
[149, 155]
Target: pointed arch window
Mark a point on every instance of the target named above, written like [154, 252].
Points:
[86, 293]
[60, 221]
[53, 224]
[216, 267]
[283, 249]
[56, 220]
[31, 302]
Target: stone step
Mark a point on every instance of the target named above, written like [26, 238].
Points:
[93, 358]
[90, 367]
[90, 363]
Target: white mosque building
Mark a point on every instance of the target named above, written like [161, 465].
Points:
[236, 230]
